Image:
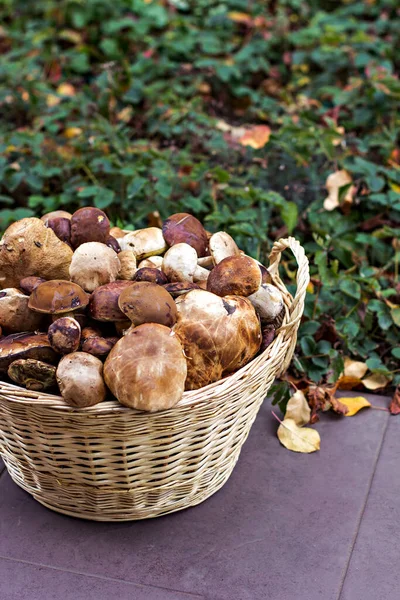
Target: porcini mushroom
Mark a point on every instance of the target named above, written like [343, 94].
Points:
[25, 345]
[89, 224]
[154, 262]
[58, 297]
[147, 369]
[15, 314]
[268, 302]
[61, 227]
[94, 264]
[32, 374]
[150, 274]
[111, 242]
[99, 346]
[222, 245]
[180, 264]
[28, 284]
[144, 242]
[184, 228]
[80, 379]
[180, 287]
[145, 302]
[54, 214]
[103, 305]
[64, 335]
[234, 275]
[128, 266]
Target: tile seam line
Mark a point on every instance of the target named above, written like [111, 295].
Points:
[362, 512]
[100, 577]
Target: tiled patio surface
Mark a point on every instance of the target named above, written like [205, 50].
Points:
[285, 527]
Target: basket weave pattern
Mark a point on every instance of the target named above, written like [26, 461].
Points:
[111, 463]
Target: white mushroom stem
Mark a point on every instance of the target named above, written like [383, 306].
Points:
[268, 302]
[206, 261]
[144, 242]
[180, 262]
[154, 262]
[222, 245]
[200, 274]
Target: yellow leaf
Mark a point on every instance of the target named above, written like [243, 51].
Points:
[354, 368]
[355, 404]
[52, 100]
[256, 137]
[71, 36]
[310, 287]
[394, 186]
[66, 89]
[240, 17]
[333, 183]
[298, 409]
[347, 382]
[125, 114]
[298, 439]
[375, 381]
[72, 132]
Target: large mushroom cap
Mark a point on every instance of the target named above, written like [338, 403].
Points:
[219, 335]
[25, 345]
[144, 242]
[185, 228]
[235, 276]
[32, 374]
[28, 247]
[15, 314]
[54, 214]
[57, 297]
[145, 302]
[80, 379]
[89, 224]
[146, 369]
[103, 305]
[94, 264]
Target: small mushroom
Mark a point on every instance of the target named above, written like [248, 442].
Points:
[15, 314]
[54, 215]
[147, 369]
[154, 262]
[184, 228]
[99, 346]
[94, 264]
[150, 274]
[80, 379]
[89, 224]
[61, 227]
[25, 345]
[234, 276]
[178, 288]
[117, 233]
[28, 247]
[145, 302]
[64, 335]
[268, 302]
[33, 374]
[28, 284]
[128, 266]
[180, 264]
[103, 305]
[58, 297]
[144, 242]
[111, 242]
[222, 245]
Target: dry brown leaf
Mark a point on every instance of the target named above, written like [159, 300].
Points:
[395, 403]
[375, 381]
[298, 439]
[354, 368]
[333, 183]
[256, 137]
[298, 409]
[355, 404]
[338, 406]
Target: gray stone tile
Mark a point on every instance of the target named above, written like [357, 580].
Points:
[282, 527]
[24, 581]
[373, 572]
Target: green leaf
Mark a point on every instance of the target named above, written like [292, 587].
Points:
[395, 313]
[289, 214]
[308, 345]
[396, 352]
[350, 288]
[135, 186]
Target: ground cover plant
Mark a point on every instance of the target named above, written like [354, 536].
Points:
[262, 119]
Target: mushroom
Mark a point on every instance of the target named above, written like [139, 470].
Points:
[147, 369]
[268, 302]
[117, 233]
[58, 297]
[111, 242]
[61, 227]
[121, 327]
[235, 275]
[265, 274]
[99, 346]
[128, 266]
[103, 305]
[32, 374]
[80, 379]
[89, 224]
[178, 288]
[150, 274]
[28, 284]
[185, 228]
[219, 335]
[222, 245]
[94, 264]
[180, 264]
[145, 302]
[55, 214]
[206, 261]
[25, 345]
[15, 314]
[267, 334]
[64, 335]
[28, 247]
[144, 242]
[154, 262]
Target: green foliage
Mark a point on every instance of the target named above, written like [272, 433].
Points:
[120, 104]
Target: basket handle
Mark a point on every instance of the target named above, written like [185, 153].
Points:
[296, 307]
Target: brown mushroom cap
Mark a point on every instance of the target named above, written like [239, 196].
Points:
[25, 345]
[28, 247]
[64, 335]
[146, 369]
[219, 335]
[234, 276]
[111, 242]
[89, 224]
[15, 314]
[80, 379]
[57, 297]
[28, 284]
[94, 264]
[145, 302]
[177, 288]
[99, 346]
[150, 274]
[185, 228]
[265, 274]
[103, 305]
[61, 227]
[54, 214]
[32, 374]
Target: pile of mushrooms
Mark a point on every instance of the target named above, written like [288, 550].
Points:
[143, 315]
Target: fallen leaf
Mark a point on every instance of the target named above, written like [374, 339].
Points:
[240, 17]
[375, 381]
[394, 406]
[354, 404]
[334, 182]
[338, 406]
[354, 368]
[52, 100]
[298, 409]
[256, 137]
[298, 439]
[317, 399]
[125, 114]
[347, 382]
[66, 89]
[72, 132]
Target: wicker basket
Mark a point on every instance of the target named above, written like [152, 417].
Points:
[111, 463]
